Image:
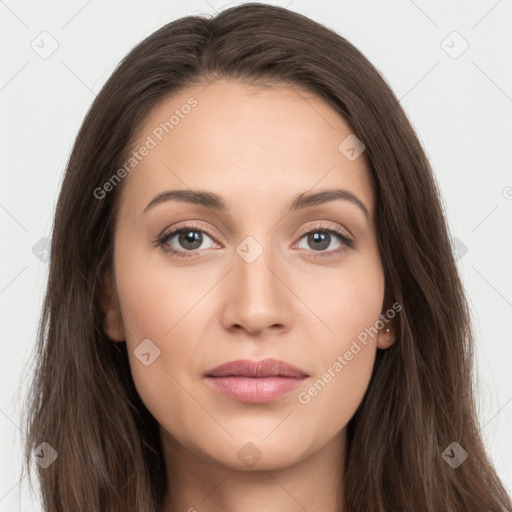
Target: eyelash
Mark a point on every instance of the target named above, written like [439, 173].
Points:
[346, 242]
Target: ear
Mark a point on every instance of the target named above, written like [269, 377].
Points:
[112, 320]
[386, 336]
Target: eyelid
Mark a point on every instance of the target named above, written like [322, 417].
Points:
[187, 225]
[325, 226]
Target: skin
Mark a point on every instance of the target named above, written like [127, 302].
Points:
[257, 147]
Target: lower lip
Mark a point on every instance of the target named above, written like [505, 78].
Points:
[255, 389]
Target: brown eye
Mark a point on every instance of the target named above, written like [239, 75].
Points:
[320, 240]
[325, 241]
[184, 240]
[190, 239]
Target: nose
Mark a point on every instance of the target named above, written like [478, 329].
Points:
[258, 296]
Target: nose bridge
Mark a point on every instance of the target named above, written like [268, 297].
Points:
[253, 274]
[257, 297]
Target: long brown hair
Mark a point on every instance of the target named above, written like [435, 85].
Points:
[82, 400]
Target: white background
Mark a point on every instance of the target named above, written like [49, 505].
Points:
[461, 108]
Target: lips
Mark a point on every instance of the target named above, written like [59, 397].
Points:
[256, 369]
[255, 381]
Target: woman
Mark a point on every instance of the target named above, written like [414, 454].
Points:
[252, 301]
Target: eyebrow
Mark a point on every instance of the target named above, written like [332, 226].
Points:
[215, 202]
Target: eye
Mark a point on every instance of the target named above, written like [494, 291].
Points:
[184, 240]
[323, 237]
[188, 240]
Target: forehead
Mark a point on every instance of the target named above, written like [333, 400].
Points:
[248, 142]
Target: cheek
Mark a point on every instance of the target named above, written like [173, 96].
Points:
[155, 298]
[331, 399]
[343, 361]
[349, 307]
[168, 306]
[160, 308]
[346, 302]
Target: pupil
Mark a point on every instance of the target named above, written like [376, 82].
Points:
[323, 238]
[190, 237]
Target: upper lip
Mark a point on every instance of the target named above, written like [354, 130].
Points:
[263, 368]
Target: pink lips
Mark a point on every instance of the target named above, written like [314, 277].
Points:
[255, 381]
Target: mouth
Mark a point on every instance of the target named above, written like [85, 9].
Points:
[260, 369]
[255, 381]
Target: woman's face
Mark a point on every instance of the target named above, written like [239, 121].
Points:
[253, 280]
